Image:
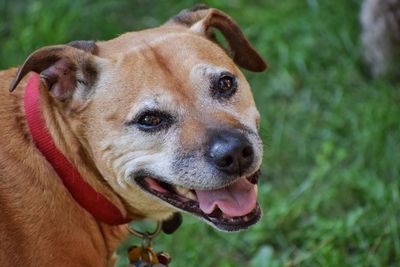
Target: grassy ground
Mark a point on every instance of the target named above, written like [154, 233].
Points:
[330, 189]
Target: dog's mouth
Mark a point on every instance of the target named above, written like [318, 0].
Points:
[230, 208]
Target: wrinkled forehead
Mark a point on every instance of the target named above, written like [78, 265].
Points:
[178, 54]
[167, 41]
[149, 61]
[161, 70]
[174, 58]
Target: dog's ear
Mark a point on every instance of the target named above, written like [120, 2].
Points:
[63, 68]
[202, 19]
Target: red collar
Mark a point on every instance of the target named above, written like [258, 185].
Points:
[95, 203]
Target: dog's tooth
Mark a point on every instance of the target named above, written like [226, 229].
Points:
[185, 192]
[181, 190]
[191, 195]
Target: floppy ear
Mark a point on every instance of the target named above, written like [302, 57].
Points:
[202, 19]
[62, 68]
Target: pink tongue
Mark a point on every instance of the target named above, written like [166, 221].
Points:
[238, 199]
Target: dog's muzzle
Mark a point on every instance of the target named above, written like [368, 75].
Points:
[232, 205]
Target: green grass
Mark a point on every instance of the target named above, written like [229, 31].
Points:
[330, 189]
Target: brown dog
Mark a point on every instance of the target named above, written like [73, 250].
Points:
[155, 122]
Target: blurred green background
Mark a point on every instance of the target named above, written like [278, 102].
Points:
[330, 188]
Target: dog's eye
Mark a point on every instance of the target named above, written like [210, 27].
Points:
[225, 83]
[225, 86]
[152, 121]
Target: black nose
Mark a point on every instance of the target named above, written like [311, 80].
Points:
[230, 152]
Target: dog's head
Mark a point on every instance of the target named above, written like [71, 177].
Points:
[166, 115]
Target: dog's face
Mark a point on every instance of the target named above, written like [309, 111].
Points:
[170, 120]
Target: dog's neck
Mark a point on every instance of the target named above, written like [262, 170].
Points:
[57, 141]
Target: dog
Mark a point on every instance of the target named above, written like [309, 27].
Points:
[145, 125]
[380, 36]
